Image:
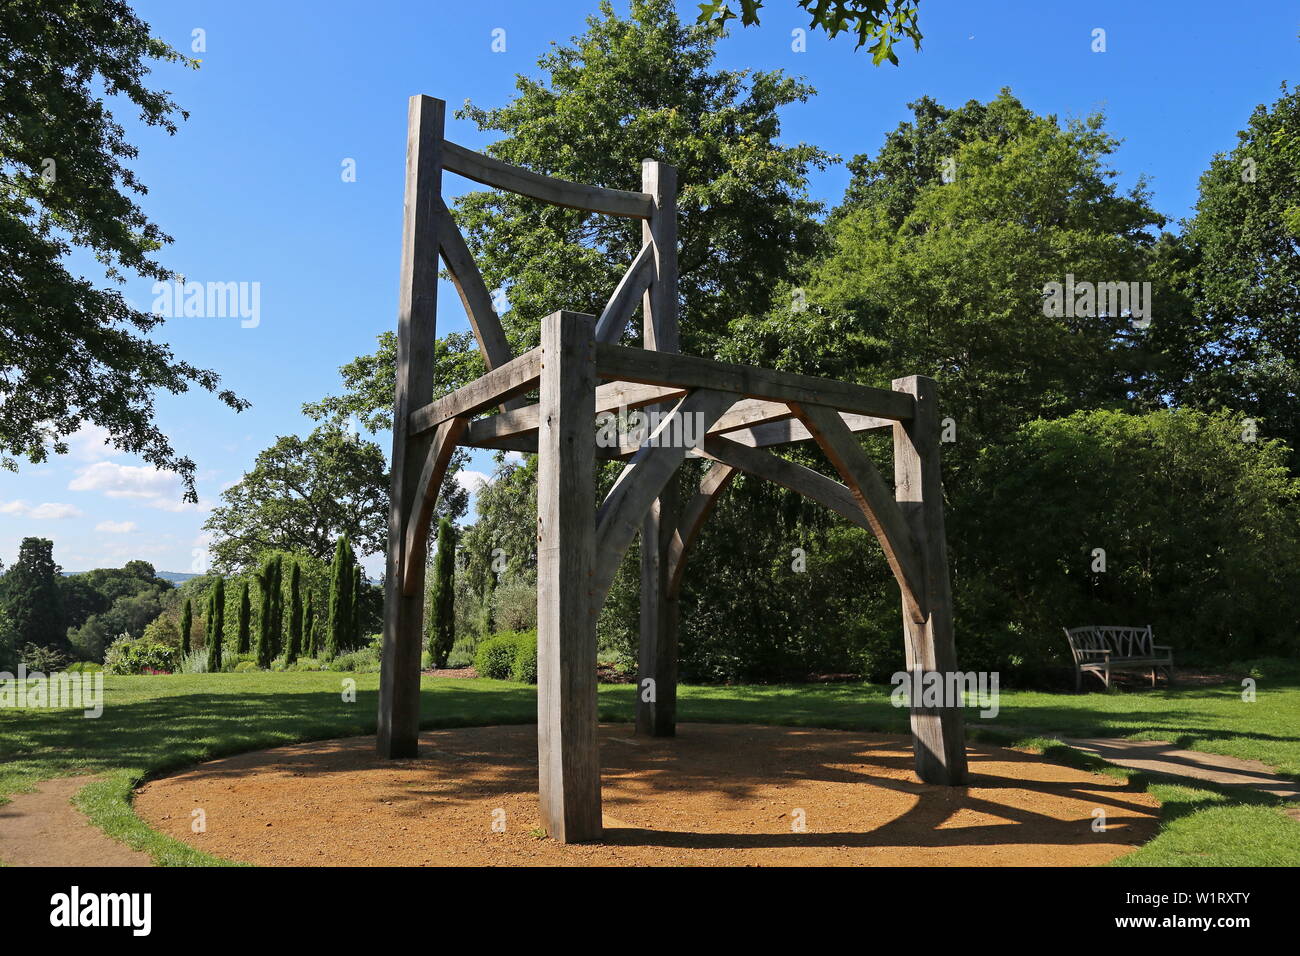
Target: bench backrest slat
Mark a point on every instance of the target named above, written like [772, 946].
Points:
[1120, 641]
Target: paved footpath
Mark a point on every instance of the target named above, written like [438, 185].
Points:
[1161, 757]
[43, 828]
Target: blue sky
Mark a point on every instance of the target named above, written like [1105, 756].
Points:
[251, 186]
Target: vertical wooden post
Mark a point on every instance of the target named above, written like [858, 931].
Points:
[417, 321]
[657, 654]
[568, 757]
[938, 735]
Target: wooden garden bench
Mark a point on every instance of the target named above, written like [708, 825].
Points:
[1103, 650]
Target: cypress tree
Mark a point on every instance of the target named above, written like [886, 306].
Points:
[441, 629]
[217, 627]
[295, 615]
[277, 608]
[309, 627]
[340, 609]
[187, 621]
[265, 620]
[245, 614]
[358, 600]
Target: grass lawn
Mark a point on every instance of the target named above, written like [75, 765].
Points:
[152, 725]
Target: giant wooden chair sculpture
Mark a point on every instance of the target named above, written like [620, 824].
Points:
[579, 371]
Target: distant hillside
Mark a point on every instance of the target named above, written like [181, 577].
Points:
[175, 577]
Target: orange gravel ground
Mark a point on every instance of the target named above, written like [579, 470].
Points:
[714, 795]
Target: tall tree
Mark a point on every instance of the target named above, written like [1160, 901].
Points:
[266, 618]
[301, 494]
[242, 641]
[358, 605]
[72, 353]
[341, 620]
[30, 597]
[187, 622]
[1232, 338]
[277, 607]
[216, 625]
[295, 615]
[309, 626]
[440, 628]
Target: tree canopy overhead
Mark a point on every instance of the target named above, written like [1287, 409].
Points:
[885, 21]
[72, 353]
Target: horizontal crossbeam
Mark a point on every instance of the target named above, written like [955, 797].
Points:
[517, 376]
[618, 362]
[557, 192]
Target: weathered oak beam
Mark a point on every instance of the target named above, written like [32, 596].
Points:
[417, 320]
[473, 291]
[788, 474]
[938, 734]
[642, 479]
[617, 362]
[568, 758]
[715, 481]
[445, 439]
[613, 320]
[557, 192]
[868, 488]
[506, 381]
[609, 397]
[791, 432]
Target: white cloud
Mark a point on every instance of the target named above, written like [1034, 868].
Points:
[49, 510]
[90, 443]
[471, 481]
[127, 481]
[115, 527]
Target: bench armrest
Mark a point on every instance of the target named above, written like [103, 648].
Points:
[1161, 647]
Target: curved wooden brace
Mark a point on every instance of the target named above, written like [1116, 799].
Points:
[811, 484]
[619, 518]
[639, 275]
[473, 291]
[715, 481]
[877, 503]
[426, 496]
[558, 192]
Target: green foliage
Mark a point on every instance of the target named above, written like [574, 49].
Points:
[30, 598]
[187, 625]
[73, 353]
[523, 669]
[268, 587]
[440, 628]
[294, 646]
[112, 601]
[309, 627]
[216, 625]
[885, 21]
[243, 639]
[43, 660]
[341, 617]
[496, 657]
[301, 494]
[1200, 530]
[132, 655]
[1228, 336]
